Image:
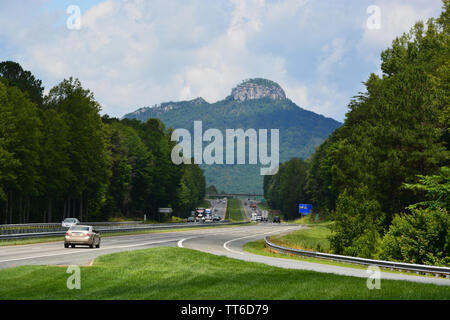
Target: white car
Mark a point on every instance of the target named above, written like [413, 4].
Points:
[68, 222]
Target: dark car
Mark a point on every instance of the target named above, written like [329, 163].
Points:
[216, 218]
[276, 219]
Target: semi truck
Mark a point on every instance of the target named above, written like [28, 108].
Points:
[264, 215]
[200, 215]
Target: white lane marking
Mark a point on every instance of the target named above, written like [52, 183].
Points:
[254, 235]
[85, 251]
[180, 243]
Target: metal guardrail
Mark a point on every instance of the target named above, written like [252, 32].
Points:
[49, 227]
[59, 224]
[400, 266]
[10, 237]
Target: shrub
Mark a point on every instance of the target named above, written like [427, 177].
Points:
[357, 224]
[422, 237]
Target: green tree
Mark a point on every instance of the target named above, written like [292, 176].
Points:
[54, 169]
[436, 189]
[211, 190]
[356, 231]
[394, 131]
[121, 173]
[285, 190]
[19, 141]
[90, 163]
[422, 237]
[24, 80]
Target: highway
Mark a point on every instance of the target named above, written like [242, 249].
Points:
[220, 206]
[226, 241]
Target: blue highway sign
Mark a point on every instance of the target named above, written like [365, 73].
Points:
[304, 209]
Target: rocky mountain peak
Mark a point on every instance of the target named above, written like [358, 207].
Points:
[256, 89]
[198, 101]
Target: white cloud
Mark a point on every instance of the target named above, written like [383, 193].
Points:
[397, 18]
[297, 93]
[332, 58]
[137, 53]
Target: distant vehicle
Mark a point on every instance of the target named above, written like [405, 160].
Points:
[208, 218]
[254, 215]
[82, 235]
[199, 218]
[253, 205]
[258, 218]
[208, 211]
[265, 216]
[276, 219]
[190, 219]
[68, 222]
[216, 218]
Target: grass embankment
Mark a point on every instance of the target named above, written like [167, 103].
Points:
[235, 212]
[176, 273]
[314, 238]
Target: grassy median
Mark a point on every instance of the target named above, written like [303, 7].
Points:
[178, 273]
[235, 212]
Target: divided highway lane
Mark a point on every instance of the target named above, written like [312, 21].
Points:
[220, 206]
[54, 253]
[248, 209]
[226, 241]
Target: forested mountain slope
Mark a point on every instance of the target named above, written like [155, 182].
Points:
[257, 104]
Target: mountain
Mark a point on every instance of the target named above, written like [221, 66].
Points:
[255, 103]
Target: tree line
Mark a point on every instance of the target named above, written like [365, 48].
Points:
[383, 176]
[59, 158]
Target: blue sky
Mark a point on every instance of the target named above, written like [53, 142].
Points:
[135, 53]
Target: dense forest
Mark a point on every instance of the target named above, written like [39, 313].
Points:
[383, 176]
[59, 158]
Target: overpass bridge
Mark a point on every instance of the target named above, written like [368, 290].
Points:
[235, 195]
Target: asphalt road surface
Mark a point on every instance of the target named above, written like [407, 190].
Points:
[220, 206]
[219, 241]
[246, 204]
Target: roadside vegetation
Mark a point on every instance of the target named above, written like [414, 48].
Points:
[383, 176]
[314, 238]
[258, 247]
[179, 273]
[59, 158]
